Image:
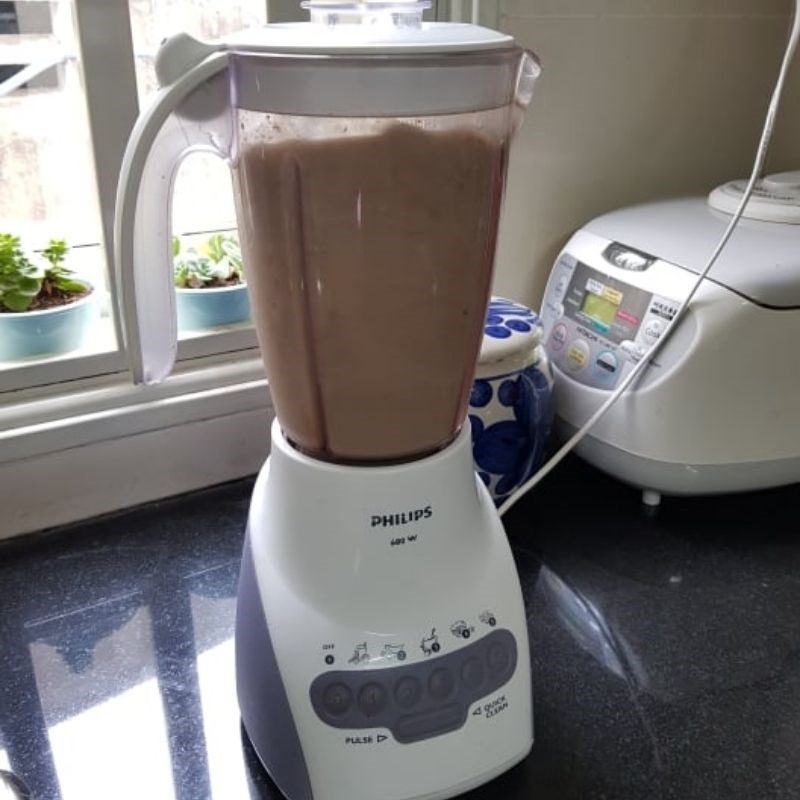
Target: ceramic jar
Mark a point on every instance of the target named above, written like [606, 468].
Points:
[511, 404]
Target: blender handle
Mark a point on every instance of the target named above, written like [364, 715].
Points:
[190, 114]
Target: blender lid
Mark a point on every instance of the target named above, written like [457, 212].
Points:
[369, 27]
[308, 38]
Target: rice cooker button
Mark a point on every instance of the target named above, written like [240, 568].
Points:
[632, 350]
[607, 362]
[577, 355]
[559, 336]
[653, 329]
[561, 286]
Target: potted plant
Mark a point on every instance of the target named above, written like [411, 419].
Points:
[44, 310]
[209, 283]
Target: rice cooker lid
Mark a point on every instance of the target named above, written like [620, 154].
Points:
[761, 261]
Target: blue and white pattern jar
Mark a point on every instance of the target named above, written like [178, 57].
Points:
[511, 404]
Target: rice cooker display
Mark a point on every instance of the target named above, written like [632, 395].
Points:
[612, 308]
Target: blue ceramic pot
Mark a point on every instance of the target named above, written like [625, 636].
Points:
[51, 331]
[511, 404]
[199, 309]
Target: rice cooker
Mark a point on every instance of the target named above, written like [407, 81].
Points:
[718, 410]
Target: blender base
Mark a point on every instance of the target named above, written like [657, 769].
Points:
[381, 638]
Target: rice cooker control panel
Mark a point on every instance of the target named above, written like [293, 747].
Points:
[598, 326]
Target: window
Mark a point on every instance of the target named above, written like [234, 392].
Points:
[48, 170]
[66, 118]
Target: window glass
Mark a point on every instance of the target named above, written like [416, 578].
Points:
[49, 190]
[203, 199]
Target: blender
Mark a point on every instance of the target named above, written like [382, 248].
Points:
[381, 637]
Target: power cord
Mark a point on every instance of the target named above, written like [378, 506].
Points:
[644, 362]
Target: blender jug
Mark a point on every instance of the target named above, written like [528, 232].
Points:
[368, 151]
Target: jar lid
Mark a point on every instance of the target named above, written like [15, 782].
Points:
[511, 334]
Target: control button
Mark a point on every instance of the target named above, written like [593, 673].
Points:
[472, 673]
[559, 336]
[441, 683]
[407, 692]
[497, 657]
[561, 286]
[653, 329]
[329, 659]
[577, 355]
[337, 699]
[424, 724]
[625, 316]
[632, 350]
[607, 362]
[371, 699]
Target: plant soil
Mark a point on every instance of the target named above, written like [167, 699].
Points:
[218, 283]
[49, 297]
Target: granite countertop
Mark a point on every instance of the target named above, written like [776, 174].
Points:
[665, 649]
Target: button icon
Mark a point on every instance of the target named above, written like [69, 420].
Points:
[577, 355]
[371, 699]
[430, 644]
[559, 336]
[461, 630]
[360, 654]
[488, 618]
[337, 699]
[394, 651]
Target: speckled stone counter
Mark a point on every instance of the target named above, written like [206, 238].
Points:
[666, 649]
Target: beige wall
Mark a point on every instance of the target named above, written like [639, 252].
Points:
[638, 99]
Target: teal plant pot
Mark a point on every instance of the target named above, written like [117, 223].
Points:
[51, 331]
[200, 309]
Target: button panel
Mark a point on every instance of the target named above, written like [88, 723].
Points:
[416, 701]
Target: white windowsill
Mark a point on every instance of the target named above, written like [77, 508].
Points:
[108, 445]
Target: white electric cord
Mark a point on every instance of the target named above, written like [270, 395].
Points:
[761, 153]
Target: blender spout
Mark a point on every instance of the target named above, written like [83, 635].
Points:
[530, 68]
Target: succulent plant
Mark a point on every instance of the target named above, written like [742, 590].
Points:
[218, 262]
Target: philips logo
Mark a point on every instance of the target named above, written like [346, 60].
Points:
[404, 518]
